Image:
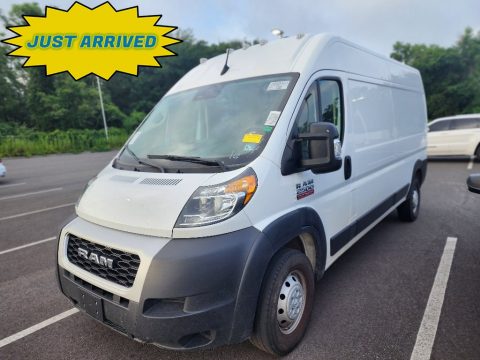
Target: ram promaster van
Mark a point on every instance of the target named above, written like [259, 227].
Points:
[249, 178]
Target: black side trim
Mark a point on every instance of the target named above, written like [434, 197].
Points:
[341, 239]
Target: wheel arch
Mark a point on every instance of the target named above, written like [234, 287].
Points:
[477, 151]
[420, 170]
[304, 225]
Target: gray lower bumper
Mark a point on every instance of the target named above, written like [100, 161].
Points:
[195, 292]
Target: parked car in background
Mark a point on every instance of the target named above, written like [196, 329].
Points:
[454, 136]
[3, 169]
[473, 183]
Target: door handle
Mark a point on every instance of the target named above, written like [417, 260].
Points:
[347, 167]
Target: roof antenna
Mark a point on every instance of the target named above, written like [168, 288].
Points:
[278, 33]
[225, 67]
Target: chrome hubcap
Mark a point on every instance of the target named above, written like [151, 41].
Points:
[415, 201]
[291, 302]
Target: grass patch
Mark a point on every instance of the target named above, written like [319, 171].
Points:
[58, 141]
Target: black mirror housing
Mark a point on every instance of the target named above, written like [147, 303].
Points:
[323, 148]
[473, 183]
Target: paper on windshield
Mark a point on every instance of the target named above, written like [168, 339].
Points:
[278, 85]
[272, 118]
[252, 138]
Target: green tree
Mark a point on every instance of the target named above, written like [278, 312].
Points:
[11, 91]
[451, 76]
[17, 11]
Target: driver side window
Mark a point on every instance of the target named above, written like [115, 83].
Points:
[309, 110]
[308, 114]
[323, 102]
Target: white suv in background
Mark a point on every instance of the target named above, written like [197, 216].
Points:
[454, 136]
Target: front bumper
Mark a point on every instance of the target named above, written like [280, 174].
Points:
[188, 293]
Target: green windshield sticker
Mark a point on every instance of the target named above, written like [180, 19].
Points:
[267, 128]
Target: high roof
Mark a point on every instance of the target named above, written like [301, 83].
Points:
[303, 54]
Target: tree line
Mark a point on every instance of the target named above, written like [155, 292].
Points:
[31, 100]
[451, 76]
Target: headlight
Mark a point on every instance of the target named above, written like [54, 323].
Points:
[212, 204]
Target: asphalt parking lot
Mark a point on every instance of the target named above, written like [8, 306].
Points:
[369, 305]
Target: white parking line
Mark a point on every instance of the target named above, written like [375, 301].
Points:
[470, 163]
[30, 193]
[26, 245]
[34, 328]
[35, 212]
[10, 185]
[428, 328]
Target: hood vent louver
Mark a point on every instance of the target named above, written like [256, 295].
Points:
[160, 182]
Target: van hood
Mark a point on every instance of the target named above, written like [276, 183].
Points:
[137, 202]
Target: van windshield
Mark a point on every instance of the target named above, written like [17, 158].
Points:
[224, 125]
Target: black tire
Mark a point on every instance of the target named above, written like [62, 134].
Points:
[268, 334]
[477, 153]
[408, 210]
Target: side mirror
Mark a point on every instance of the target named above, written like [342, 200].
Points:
[473, 183]
[324, 148]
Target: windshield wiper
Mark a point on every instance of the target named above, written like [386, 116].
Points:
[130, 151]
[192, 159]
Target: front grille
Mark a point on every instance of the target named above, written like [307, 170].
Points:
[124, 268]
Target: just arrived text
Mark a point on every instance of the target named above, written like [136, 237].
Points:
[138, 41]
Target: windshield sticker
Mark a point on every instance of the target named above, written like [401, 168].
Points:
[305, 188]
[250, 147]
[135, 137]
[252, 138]
[278, 85]
[267, 128]
[272, 118]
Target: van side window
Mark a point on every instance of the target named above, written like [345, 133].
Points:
[330, 103]
[308, 114]
[309, 110]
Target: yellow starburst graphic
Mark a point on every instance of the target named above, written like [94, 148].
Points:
[100, 40]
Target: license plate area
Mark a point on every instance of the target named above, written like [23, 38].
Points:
[93, 305]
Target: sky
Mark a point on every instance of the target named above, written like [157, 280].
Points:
[375, 24]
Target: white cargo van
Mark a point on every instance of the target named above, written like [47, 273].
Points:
[243, 185]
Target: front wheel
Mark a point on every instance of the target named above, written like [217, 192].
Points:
[285, 303]
[409, 209]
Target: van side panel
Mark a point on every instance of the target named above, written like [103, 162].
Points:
[410, 121]
[378, 170]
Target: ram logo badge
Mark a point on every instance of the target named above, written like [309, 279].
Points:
[305, 188]
[95, 258]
